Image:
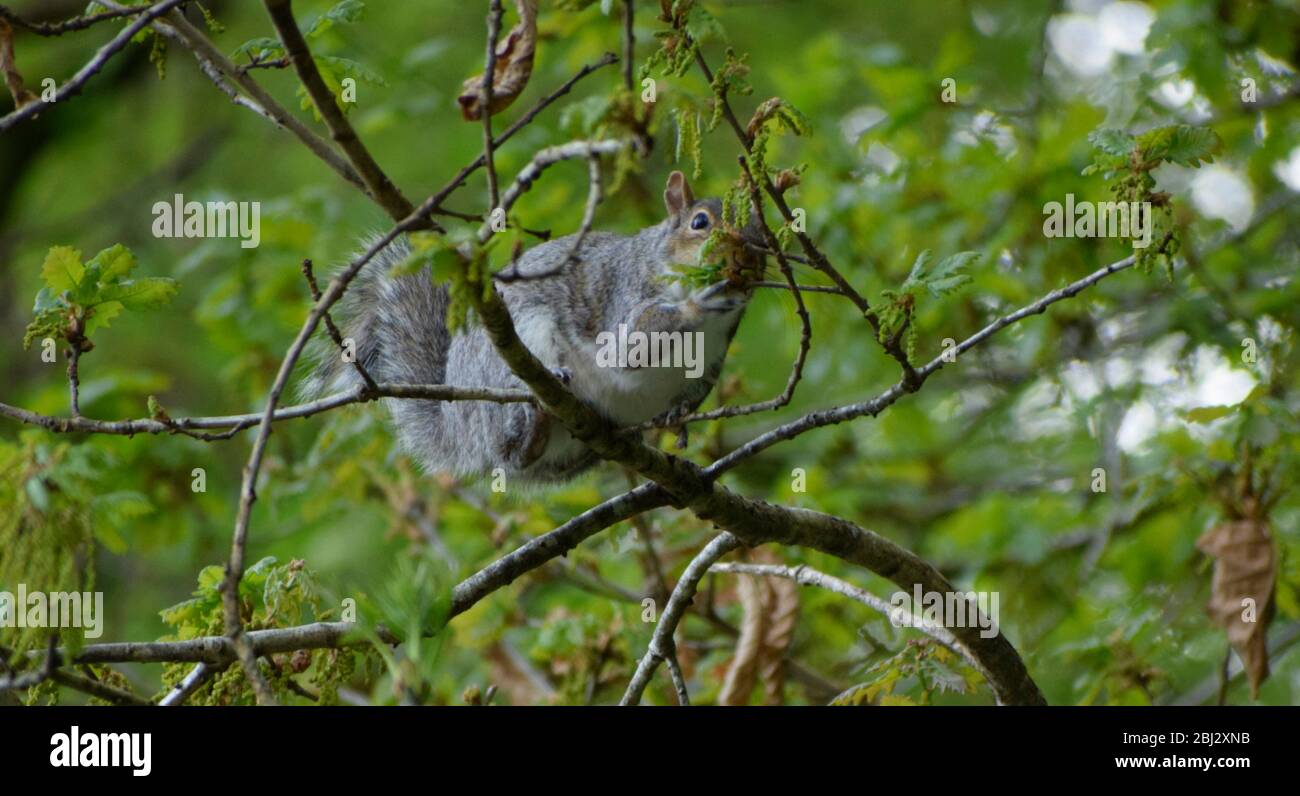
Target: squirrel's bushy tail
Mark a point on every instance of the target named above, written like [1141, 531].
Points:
[398, 325]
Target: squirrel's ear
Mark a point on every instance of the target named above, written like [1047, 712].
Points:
[677, 195]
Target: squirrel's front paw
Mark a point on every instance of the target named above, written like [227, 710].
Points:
[674, 415]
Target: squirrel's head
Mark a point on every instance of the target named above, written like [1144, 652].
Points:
[691, 221]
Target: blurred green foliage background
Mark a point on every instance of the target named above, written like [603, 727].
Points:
[987, 472]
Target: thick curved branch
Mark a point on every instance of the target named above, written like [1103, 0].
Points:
[695, 488]
[214, 64]
[217, 651]
[377, 183]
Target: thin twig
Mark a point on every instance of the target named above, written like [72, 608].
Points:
[233, 424]
[878, 404]
[629, 44]
[594, 198]
[815, 255]
[20, 682]
[74, 379]
[95, 688]
[92, 67]
[544, 159]
[178, 29]
[489, 74]
[68, 25]
[186, 687]
[217, 651]
[661, 643]
[679, 682]
[801, 288]
[806, 576]
[333, 330]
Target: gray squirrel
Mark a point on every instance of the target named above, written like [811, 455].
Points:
[567, 310]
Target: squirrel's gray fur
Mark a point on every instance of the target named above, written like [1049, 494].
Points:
[398, 325]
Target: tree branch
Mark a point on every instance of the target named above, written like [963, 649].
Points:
[661, 645]
[376, 182]
[233, 424]
[93, 66]
[489, 73]
[806, 576]
[213, 62]
[66, 26]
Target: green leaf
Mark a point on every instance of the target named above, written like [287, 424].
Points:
[1206, 414]
[945, 277]
[350, 68]
[260, 49]
[46, 299]
[1182, 144]
[113, 263]
[141, 294]
[255, 577]
[345, 11]
[703, 26]
[62, 269]
[444, 264]
[186, 611]
[101, 315]
[583, 117]
[210, 581]
[1112, 142]
[917, 274]
[950, 273]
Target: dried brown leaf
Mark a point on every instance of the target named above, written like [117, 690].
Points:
[511, 69]
[783, 616]
[754, 594]
[21, 94]
[1241, 589]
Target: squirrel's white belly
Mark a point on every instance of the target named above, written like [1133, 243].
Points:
[632, 395]
[626, 395]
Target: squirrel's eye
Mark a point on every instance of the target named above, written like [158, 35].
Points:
[700, 221]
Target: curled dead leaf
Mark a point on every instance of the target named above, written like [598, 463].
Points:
[783, 616]
[754, 594]
[8, 67]
[511, 69]
[1241, 589]
[771, 608]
